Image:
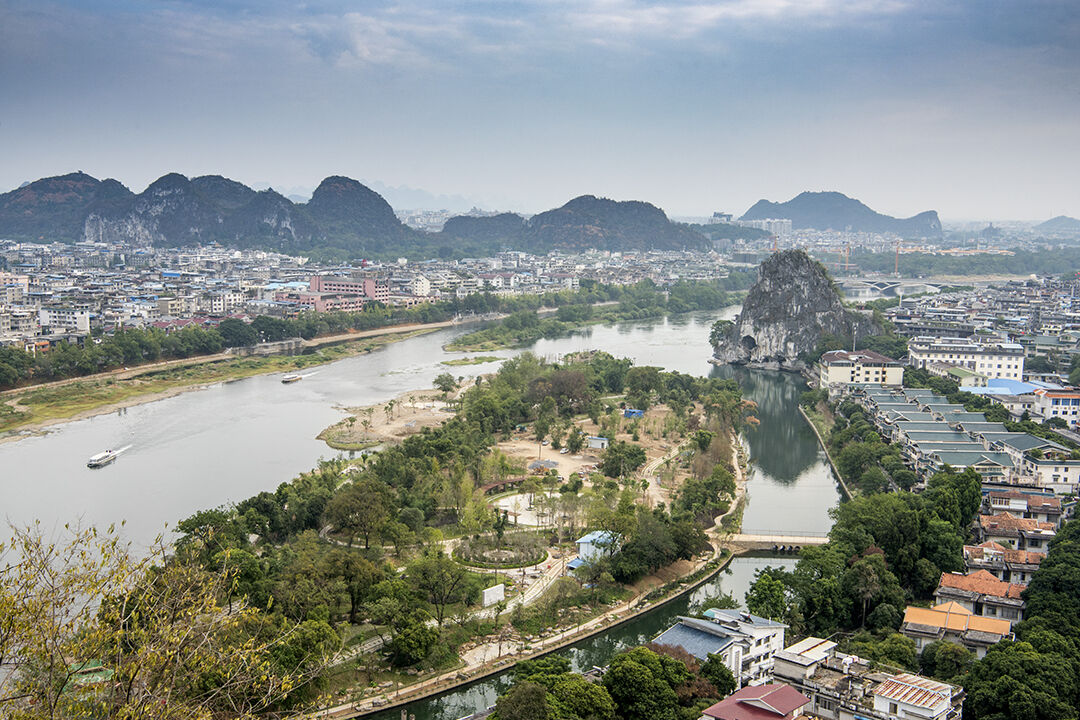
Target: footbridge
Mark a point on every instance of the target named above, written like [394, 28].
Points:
[780, 541]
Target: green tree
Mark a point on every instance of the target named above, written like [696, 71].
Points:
[766, 597]
[524, 701]
[440, 579]
[715, 671]
[360, 509]
[622, 458]
[641, 684]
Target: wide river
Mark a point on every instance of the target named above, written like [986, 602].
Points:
[231, 440]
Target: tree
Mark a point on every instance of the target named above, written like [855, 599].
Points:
[524, 701]
[716, 672]
[445, 383]
[237, 333]
[575, 441]
[360, 509]
[438, 578]
[642, 684]
[413, 639]
[622, 458]
[766, 597]
[156, 627]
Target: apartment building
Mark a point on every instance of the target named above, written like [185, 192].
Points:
[990, 359]
[841, 368]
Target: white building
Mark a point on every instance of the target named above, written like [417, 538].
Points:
[420, 286]
[992, 359]
[746, 643]
[67, 318]
[839, 368]
[1064, 404]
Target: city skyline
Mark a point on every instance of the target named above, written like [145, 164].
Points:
[693, 106]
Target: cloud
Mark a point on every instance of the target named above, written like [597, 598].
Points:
[686, 19]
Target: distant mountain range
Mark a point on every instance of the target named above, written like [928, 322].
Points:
[343, 218]
[836, 211]
[1060, 224]
[583, 223]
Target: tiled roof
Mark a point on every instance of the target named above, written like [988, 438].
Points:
[1008, 521]
[988, 548]
[956, 618]
[981, 582]
[760, 702]
[915, 690]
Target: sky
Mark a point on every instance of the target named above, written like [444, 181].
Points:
[969, 108]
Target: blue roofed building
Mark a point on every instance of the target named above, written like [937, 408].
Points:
[746, 643]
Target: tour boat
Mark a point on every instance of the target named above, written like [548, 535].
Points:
[291, 378]
[102, 459]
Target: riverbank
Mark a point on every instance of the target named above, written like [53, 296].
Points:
[828, 456]
[31, 410]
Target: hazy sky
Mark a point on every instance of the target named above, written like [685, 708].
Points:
[970, 108]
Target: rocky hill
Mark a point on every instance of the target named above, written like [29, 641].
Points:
[787, 312]
[1060, 224]
[583, 223]
[343, 219]
[836, 211]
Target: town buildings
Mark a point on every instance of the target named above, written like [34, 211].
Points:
[839, 686]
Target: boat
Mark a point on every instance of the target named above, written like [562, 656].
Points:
[292, 378]
[102, 459]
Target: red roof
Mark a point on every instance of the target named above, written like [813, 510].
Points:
[761, 702]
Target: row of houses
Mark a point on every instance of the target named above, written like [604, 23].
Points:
[932, 433]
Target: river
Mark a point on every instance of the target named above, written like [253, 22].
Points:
[231, 440]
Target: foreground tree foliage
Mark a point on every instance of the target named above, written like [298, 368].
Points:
[87, 629]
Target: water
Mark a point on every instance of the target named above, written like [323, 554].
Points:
[229, 441]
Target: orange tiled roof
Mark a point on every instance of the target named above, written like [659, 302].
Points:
[981, 582]
[956, 618]
[1008, 521]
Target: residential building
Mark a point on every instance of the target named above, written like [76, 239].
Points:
[746, 643]
[1042, 506]
[1064, 404]
[953, 623]
[841, 368]
[1019, 533]
[982, 594]
[64, 317]
[914, 696]
[991, 359]
[774, 701]
[1014, 566]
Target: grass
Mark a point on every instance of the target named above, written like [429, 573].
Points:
[478, 360]
[60, 402]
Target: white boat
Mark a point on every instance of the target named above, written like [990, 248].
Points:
[292, 378]
[102, 459]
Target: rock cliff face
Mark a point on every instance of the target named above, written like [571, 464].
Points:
[787, 312]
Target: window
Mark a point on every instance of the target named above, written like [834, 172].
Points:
[892, 708]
